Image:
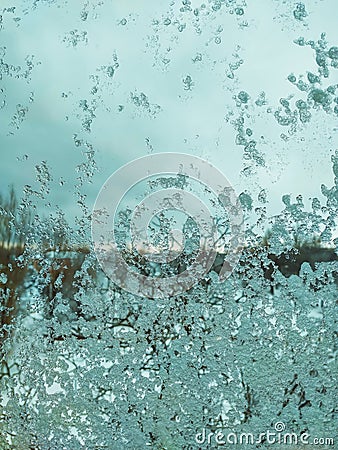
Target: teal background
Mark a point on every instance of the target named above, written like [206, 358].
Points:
[154, 59]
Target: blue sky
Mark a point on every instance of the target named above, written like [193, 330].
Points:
[154, 58]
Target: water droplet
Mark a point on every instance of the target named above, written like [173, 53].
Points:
[3, 278]
[110, 71]
[319, 96]
[301, 104]
[188, 83]
[313, 78]
[300, 13]
[333, 53]
[321, 59]
[243, 96]
[246, 200]
[198, 57]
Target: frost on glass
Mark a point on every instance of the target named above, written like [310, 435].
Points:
[86, 364]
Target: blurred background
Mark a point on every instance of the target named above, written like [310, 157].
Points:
[98, 84]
